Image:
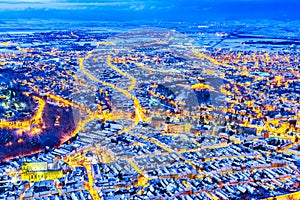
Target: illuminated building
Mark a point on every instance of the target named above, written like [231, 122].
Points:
[265, 134]
[105, 155]
[37, 171]
[298, 122]
[176, 127]
[195, 131]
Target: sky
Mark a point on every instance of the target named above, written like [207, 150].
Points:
[174, 10]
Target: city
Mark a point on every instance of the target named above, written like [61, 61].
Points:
[201, 111]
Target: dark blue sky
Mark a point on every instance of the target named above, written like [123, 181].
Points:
[174, 10]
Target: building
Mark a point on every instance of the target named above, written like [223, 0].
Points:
[298, 122]
[37, 171]
[175, 127]
[157, 122]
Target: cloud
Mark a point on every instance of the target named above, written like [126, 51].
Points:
[122, 5]
[52, 4]
[129, 5]
[137, 7]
